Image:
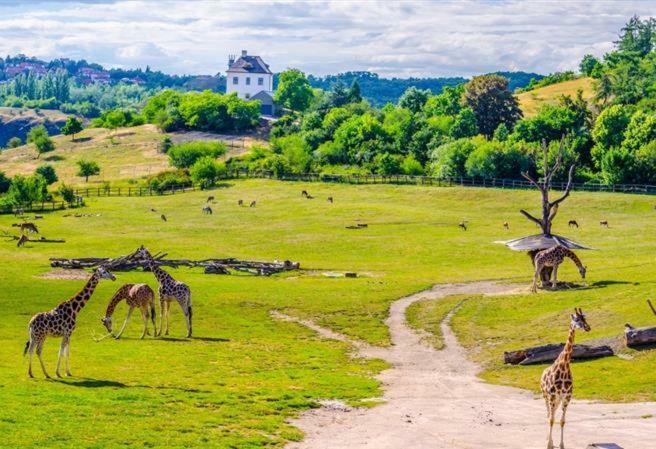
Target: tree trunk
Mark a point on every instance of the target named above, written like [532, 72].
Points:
[639, 337]
[549, 353]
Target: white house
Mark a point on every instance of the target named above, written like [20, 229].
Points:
[251, 78]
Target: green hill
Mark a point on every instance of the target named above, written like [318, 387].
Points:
[531, 101]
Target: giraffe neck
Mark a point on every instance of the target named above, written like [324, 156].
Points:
[574, 258]
[162, 276]
[565, 357]
[81, 299]
[120, 295]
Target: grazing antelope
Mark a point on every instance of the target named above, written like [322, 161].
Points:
[603, 223]
[330, 199]
[240, 203]
[463, 225]
[207, 210]
[22, 240]
[153, 210]
[252, 204]
[506, 225]
[38, 217]
[163, 217]
[210, 199]
[27, 227]
[304, 193]
[19, 212]
[573, 223]
[309, 197]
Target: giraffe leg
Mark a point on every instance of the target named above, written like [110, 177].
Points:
[62, 350]
[68, 356]
[39, 350]
[144, 316]
[188, 315]
[552, 413]
[562, 423]
[168, 314]
[125, 323]
[162, 311]
[152, 317]
[536, 276]
[30, 349]
[554, 278]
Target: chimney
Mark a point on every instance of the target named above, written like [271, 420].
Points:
[244, 53]
[231, 60]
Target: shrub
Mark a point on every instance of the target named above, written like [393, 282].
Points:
[5, 182]
[184, 155]
[48, 173]
[165, 145]
[87, 168]
[448, 160]
[167, 179]
[28, 189]
[206, 171]
[412, 166]
[14, 142]
[387, 164]
[67, 193]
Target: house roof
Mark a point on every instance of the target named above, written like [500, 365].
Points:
[540, 242]
[249, 64]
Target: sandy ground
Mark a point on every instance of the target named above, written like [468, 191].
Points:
[433, 399]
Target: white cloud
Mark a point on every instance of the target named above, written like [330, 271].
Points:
[413, 38]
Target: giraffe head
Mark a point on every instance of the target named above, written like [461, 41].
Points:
[143, 254]
[107, 322]
[103, 273]
[582, 270]
[578, 320]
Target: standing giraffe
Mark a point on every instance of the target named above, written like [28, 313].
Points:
[60, 322]
[135, 295]
[169, 290]
[556, 381]
[553, 257]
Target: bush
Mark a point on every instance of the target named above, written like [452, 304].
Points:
[5, 182]
[28, 189]
[184, 155]
[295, 151]
[496, 160]
[165, 145]
[387, 164]
[206, 171]
[448, 160]
[412, 166]
[87, 168]
[14, 142]
[67, 193]
[167, 179]
[48, 173]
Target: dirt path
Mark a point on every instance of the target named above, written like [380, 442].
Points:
[434, 400]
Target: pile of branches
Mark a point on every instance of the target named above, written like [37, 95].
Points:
[211, 266]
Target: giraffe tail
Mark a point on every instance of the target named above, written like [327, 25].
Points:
[27, 345]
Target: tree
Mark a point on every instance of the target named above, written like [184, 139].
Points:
[464, 124]
[354, 94]
[637, 36]
[87, 168]
[492, 102]
[588, 65]
[206, 171]
[67, 193]
[36, 132]
[72, 127]
[414, 99]
[5, 182]
[38, 135]
[48, 173]
[294, 91]
[184, 155]
[14, 142]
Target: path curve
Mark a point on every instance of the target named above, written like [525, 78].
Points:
[433, 399]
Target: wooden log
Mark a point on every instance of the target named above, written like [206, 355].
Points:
[640, 336]
[549, 353]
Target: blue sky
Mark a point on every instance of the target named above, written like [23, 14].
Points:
[411, 38]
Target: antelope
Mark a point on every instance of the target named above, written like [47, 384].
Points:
[463, 225]
[27, 227]
[573, 223]
[240, 203]
[210, 199]
[207, 210]
[506, 225]
[252, 204]
[304, 193]
[330, 199]
[603, 223]
[163, 217]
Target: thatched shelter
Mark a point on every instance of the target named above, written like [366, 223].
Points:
[540, 242]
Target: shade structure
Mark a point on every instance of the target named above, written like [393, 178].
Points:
[541, 241]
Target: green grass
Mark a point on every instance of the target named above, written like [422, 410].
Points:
[245, 374]
[426, 316]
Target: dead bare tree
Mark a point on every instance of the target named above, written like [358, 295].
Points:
[549, 208]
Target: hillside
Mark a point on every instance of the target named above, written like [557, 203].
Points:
[16, 122]
[530, 102]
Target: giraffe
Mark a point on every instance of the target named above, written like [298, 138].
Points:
[169, 290]
[553, 257]
[135, 295]
[556, 381]
[60, 322]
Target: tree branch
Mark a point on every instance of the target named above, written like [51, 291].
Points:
[531, 180]
[570, 178]
[531, 217]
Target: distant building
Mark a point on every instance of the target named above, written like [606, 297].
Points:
[251, 78]
[12, 70]
[89, 75]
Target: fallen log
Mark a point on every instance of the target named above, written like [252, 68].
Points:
[211, 266]
[635, 337]
[549, 353]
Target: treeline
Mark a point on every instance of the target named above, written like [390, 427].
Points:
[476, 129]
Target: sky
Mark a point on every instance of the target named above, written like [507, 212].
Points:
[391, 38]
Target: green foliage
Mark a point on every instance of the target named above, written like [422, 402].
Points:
[26, 190]
[72, 127]
[449, 159]
[38, 135]
[165, 145]
[67, 193]
[414, 99]
[492, 102]
[14, 142]
[167, 179]
[36, 132]
[446, 103]
[637, 36]
[553, 78]
[117, 118]
[492, 159]
[48, 173]
[388, 164]
[609, 128]
[295, 152]
[5, 182]
[589, 65]
[294, 91]
[501, 133]
[206, 171]
[640, 131]
[464, 124]
[411, 166]
[184, 155]
[87, 168]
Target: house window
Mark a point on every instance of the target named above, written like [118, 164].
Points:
[260, 81]
[235, 80]
[248, 80]
[247, 94]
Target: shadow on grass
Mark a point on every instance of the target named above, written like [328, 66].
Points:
[82, 139]
[54, 158]
[92, 383]
[602, 284]
[175, 339]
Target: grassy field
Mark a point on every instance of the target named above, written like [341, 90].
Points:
[531, 101]
[244, 374]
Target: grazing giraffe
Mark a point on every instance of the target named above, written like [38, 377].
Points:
[169, 290]
[603, 223]
[553, 257]
[556, 381]
[60, 322]
[207, 210]
[135, 295]
[573, 223]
